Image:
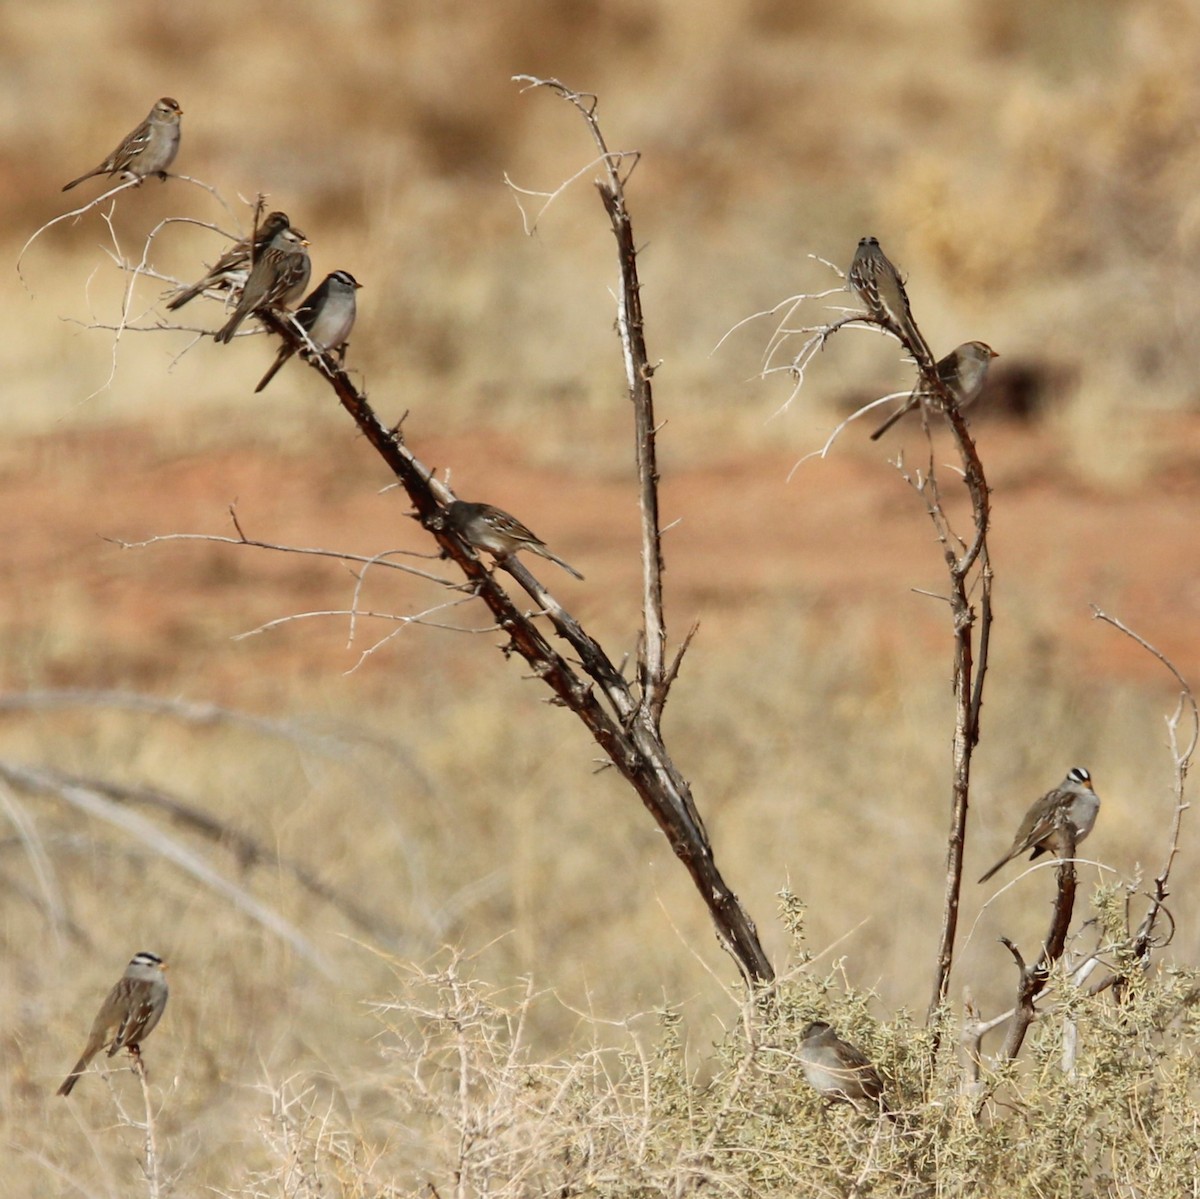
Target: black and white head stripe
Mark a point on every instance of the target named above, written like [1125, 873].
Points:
[1078, 775]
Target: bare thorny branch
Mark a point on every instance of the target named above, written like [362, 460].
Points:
[970, 584]
[623, 718]
[1133, 953]
[624, 724]
[1187, 714]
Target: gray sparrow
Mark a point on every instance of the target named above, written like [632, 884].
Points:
[877, 283]
[327, 316]
[277, 279]
[232, 268]
[1074, 800]
[962, 372]
[486, 528]
[840, 1072]
[148, 150]
[128, 1016]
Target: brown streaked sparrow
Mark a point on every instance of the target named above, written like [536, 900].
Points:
[327, 316]
[148, 150]
[232, 268]
[128, 1016]
[1074, 800]
[839, 1072]
[276, 280]
[963, 372]
[877, 283]
[491, 529]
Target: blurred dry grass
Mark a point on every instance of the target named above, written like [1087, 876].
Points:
[1031, 168]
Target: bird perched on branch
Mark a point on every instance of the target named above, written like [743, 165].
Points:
[326, 316]
[963, 372]
[876, 281]
[128, 1016]
[1073, 801]
[840, 1072]
[148, 150]
[486, 528]
[232, 268]
[277, 279]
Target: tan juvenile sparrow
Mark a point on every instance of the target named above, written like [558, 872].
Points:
[491, 529]
[128, 1016]
[327, 316]
[148, 150]
[963, 372]
[1074, 800]
[232, 268]
[277, 280]
[840, 1072]
[877, 283]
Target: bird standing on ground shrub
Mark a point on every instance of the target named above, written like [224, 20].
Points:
[128, 1016]
[840, 1072]
[148, 150]
[1073, 801]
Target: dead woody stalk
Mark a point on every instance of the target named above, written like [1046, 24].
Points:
[969, 597]
[623, 720]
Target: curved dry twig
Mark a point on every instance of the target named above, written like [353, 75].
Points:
[1142, 940]
[248, 851]
[404, 620]
[92, 802]
[970, 576]
[40, 865]
[381, 559]
[75, 213]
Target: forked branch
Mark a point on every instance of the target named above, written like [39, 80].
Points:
[966, 557]
[1033, 979]
[624, 724]
[623, 718]
[1143, 939]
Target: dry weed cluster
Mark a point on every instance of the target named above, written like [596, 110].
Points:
[478, 1111]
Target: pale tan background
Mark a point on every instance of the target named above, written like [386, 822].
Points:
[1034, 172]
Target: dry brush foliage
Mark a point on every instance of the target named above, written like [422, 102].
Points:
[467, 1107]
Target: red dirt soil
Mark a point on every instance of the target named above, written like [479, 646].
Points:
[843, 534]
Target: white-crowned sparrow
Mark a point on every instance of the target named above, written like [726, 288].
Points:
[128, 1016]
[878, 284]
[491, 529]
[1073, 800]
[962, 371]
[232, 268]
[148, 150]
[277, 280]
[327, 316]
[840, 1072]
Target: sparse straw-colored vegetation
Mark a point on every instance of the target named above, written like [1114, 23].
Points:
[420, 945]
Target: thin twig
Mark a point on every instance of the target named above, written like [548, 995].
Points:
[124, 185]
[1142, 940]
[152, 1167]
